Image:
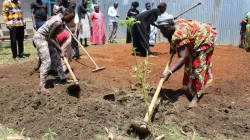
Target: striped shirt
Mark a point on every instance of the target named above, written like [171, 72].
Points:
[12, 13]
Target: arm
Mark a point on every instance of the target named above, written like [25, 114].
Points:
[52, 36]
[23, 20]
[76, 20]
[110, 13]
[67, 43]
[183, 54]
[33, 16]
[5, 13]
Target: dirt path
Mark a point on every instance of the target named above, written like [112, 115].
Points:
[223, 111]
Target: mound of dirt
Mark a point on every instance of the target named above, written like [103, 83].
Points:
[109, 98]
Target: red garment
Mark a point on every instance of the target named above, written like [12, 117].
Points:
[199, 38]
[98, 29]
[62, 37]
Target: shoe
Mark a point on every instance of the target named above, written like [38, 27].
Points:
[63, 81]
[76, 57]
[86, 45]
[16, 59]
[22, 56]
[66, 72]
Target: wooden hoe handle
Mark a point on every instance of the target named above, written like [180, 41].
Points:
[70, 70]
[82, 47]
[157, 92]
[188, 10]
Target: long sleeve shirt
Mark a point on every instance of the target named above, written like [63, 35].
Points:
[12, 13]
[112, 12]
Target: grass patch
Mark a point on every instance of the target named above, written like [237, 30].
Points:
[7, 133]
[29, 50]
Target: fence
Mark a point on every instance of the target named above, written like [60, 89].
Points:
[225, 15]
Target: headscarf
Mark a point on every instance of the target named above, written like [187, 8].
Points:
[165, 19]
[96, 6]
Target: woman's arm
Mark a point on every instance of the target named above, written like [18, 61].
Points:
[183, 54]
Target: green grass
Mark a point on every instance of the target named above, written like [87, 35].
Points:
[6, 132]
[6, 54]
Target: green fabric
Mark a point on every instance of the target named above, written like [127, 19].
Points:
[248, 17]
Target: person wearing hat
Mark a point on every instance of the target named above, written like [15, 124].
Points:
[193, 41]
[141, 31]
[132, 12]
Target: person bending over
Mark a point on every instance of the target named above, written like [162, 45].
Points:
[193, 41]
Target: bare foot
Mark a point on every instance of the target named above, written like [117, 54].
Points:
[43, 90]
[194, 102]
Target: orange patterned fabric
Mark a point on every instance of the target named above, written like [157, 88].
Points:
[12, 13]
[194, 33]
[199, 38]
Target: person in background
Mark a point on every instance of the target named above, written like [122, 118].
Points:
[73, 26]
[194, 43]
[38, 13]
[153, 29]
[84, 32]
[248, 32]
[113, 22]
[243, 25]
[47, 35]
[39, 17]
[141, 31]
[98, 36]
[62, 5]
[132, 12]
[13, 18]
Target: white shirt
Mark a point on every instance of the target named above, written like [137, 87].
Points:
[112, 12]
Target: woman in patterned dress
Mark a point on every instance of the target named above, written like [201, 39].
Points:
[194, 43]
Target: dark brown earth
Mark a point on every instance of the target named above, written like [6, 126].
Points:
[224, 110]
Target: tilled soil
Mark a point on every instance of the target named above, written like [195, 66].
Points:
[224, 110]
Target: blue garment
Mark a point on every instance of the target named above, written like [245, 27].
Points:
[39, 23]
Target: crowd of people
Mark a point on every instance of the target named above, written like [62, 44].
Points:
[58, 36]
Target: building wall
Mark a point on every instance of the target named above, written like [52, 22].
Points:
[225, 15]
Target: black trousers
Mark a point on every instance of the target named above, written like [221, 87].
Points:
[17, 37]
[129, 39]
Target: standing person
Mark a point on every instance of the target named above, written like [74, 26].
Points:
[98, 36]
[84, 25]
[62, 5]
[38, 13]
[132, 12]
[153, 29]
[248, 32]
[13, 18]
[113, 22]
[141, 31]
[47, 35]
[73, 26]
[243, 25]
[194, 43]
[39, 17]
